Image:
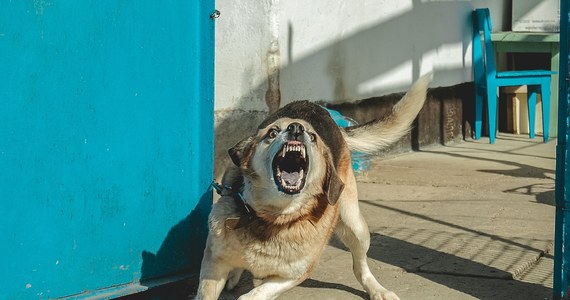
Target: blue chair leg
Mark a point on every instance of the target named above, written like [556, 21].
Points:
[478, 114]
[532, 92]
[545, 94]
[492, 112]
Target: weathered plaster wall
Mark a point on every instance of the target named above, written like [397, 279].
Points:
[272, 52]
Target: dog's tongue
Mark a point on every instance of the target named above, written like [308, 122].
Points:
[290, 178]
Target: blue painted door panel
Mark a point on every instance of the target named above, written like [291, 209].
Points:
[562, 227]
[106, 131]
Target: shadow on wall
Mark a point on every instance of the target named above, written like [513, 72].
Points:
[186, 237]
[167, 274]
[338, 66]
[403, 39]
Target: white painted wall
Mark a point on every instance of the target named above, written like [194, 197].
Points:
[338, 51]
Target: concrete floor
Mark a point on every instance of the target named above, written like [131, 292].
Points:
[464, 221]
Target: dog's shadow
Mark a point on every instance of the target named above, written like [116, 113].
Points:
[314, 283]
[246, 284]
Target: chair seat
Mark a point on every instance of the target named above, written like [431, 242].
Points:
[487, 79]
[511, 74]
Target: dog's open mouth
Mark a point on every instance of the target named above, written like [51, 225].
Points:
[290, 167]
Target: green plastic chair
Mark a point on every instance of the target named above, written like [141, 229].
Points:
[488, 80]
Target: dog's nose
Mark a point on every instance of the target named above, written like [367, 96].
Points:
[295, 129]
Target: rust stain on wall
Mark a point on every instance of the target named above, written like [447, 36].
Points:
[273, 93]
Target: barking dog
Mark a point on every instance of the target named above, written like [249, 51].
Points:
[291, 188]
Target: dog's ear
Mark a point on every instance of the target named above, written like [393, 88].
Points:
[333, 185]
[237, 152]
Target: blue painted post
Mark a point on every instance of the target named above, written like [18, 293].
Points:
[562, 226]
[106, 144]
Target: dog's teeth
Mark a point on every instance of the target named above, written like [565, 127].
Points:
[298, 184]
[301, 174]
[295, 148]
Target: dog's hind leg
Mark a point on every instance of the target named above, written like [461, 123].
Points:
[353, 232]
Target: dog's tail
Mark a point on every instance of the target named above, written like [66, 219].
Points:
[378, 134]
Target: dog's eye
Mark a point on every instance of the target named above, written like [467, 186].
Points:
[312, 136]
[272, 133]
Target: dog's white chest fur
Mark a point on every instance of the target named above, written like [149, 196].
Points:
[283, 252]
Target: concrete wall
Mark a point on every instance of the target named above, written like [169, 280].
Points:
[272, 52]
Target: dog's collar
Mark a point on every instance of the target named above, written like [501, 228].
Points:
[247, 214]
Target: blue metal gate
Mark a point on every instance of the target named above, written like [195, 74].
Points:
[562, 230]
[106, 131]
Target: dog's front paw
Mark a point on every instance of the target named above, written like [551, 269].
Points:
[385, 295]
[233, 279]
[249, 296]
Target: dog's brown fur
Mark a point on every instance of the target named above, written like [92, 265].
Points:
[281, 241]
